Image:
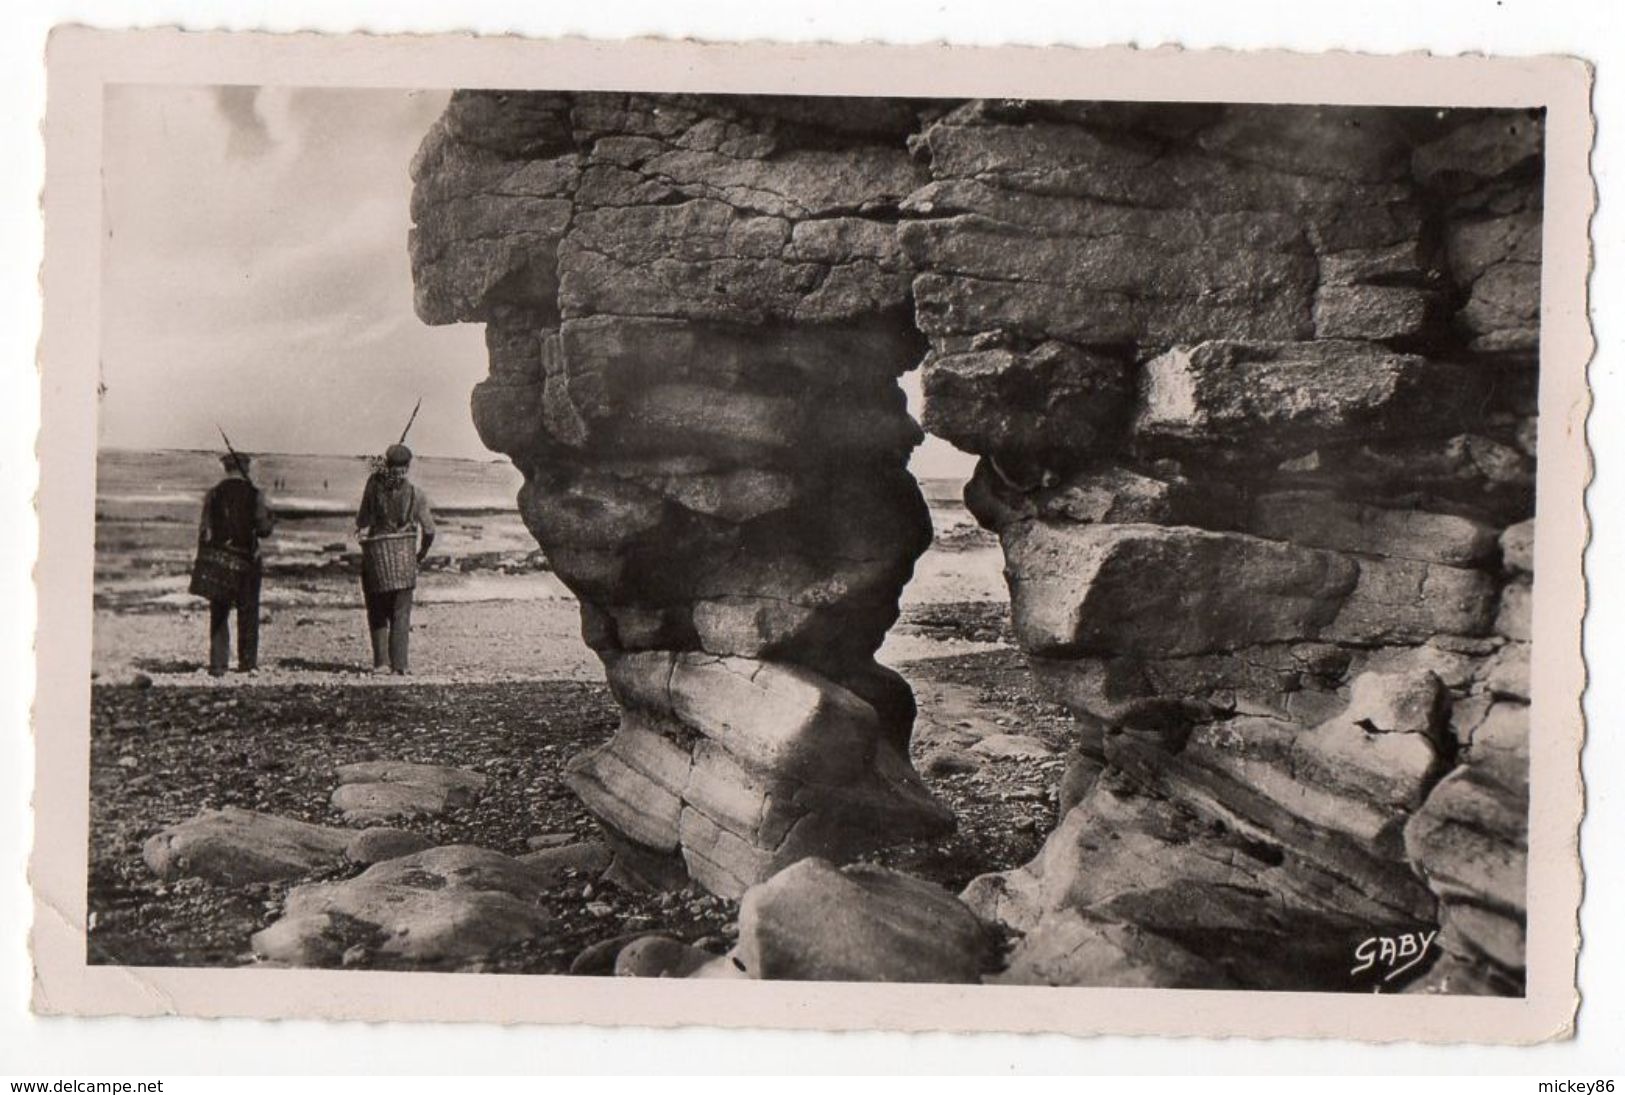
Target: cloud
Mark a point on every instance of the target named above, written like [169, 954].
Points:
[271, 289]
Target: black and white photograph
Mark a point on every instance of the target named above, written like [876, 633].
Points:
[1029, 542]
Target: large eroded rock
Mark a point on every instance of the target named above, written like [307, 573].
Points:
[1285, 580]
[695, 368]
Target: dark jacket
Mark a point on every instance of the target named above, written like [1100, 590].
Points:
[235, 515]
[393, 504]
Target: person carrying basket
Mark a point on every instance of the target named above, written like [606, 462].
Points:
[228, 570]
[396, 527]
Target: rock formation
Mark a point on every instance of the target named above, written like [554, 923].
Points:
[1253, 391]
[697, 311]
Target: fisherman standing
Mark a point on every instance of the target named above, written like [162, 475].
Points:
[236, 516]
[396, 526]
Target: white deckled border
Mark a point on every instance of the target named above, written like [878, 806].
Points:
[82, 62]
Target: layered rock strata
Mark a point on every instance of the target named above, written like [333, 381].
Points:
[697, 311]
[1253, 389]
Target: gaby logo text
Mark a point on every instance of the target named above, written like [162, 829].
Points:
[1394, 953]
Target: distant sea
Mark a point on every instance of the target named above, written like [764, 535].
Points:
[137, 483]
[134, 483]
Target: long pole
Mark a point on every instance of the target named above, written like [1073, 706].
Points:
[411, 420]
[235, 459]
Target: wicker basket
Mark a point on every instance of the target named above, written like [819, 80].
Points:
[389, 561]
[219, 573]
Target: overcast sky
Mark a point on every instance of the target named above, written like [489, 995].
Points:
[256, 275]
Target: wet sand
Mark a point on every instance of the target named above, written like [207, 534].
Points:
[486, 610]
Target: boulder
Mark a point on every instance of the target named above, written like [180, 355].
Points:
[1478, 245]
[1495, 937]
[1209, 884]
[796, 184]
[440, 908]
[378, 791]
[598, 361]
[646, 387]
[1466, 472]
[660, 956]
[814, 922]
[1231, 158]
[1031, 229]
[1010, 899]
[232, 846]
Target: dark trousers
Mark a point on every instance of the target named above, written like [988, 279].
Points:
[389, 618]
[248, 627]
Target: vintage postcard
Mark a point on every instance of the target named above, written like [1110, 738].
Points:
[845, 537]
